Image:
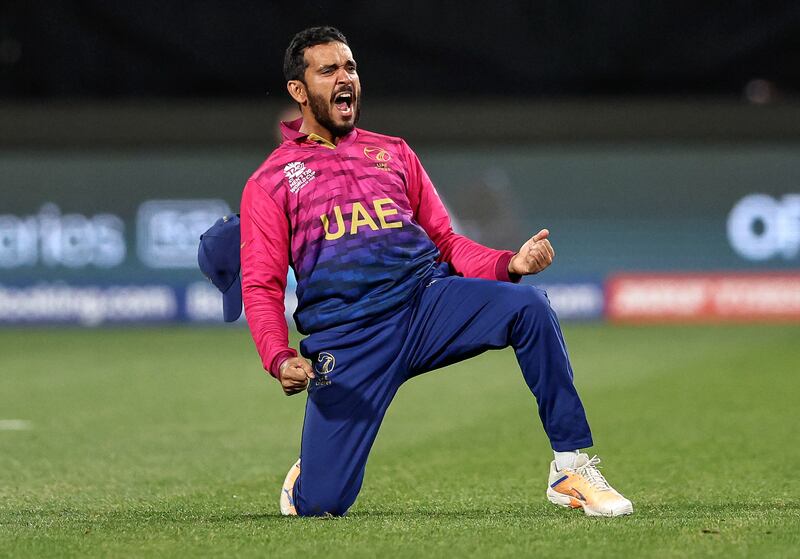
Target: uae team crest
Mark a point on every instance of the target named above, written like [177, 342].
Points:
[380, 156]
[298, 175]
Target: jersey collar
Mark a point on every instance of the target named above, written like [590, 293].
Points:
[290, 131]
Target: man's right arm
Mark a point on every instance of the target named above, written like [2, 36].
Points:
[265, 263]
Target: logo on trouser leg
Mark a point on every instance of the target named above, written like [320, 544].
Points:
[324, 366]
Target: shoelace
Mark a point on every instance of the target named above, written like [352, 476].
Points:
[593, 475]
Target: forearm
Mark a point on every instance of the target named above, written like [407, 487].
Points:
[267, 322]
[465, 256]
[265, 264]
[473, 260]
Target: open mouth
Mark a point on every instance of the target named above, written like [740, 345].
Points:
[344, 102]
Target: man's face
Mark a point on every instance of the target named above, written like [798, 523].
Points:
[334, 91]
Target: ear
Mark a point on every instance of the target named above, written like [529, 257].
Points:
[297, 90]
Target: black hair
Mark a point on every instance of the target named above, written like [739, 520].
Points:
[294, 62]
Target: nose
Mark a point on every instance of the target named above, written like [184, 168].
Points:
[343, 76]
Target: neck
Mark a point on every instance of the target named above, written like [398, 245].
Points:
[311, 126]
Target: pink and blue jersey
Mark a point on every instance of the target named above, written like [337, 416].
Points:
[361, 225]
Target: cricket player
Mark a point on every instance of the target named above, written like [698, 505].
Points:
[386, 291]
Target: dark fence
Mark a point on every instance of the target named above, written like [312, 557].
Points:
[98, 49]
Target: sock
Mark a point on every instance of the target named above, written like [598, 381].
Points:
[566, 459]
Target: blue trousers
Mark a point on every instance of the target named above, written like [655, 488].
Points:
[450, 319]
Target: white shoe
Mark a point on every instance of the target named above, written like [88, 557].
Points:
[287, 491]
[583, 486]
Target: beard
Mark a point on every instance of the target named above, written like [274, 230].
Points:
[321, 109]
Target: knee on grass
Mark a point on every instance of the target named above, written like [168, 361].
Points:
[323, 507]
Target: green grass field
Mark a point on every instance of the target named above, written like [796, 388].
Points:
[172, 442]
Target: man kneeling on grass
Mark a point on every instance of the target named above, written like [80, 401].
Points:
[386, 291]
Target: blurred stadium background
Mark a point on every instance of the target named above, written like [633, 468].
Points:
[659, 142]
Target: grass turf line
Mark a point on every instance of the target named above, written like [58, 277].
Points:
[171, 442]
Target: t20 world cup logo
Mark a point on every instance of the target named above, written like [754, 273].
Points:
[324, 366]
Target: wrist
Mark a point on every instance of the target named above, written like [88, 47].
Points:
[512, 269]
[277, 363]
[504, 270]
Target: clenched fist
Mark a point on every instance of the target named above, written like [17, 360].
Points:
[535, 255]
[295, 373]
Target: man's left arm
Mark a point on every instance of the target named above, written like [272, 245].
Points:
[467, 257]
